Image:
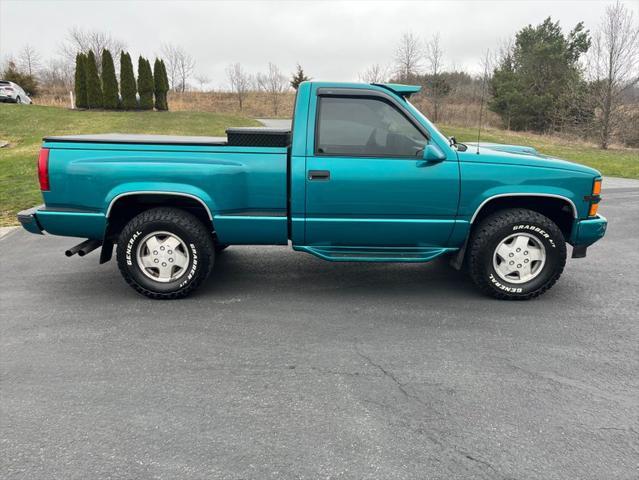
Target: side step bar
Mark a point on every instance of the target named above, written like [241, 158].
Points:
[83, 248]
[372, 254]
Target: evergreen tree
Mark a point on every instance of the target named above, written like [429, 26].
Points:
[94, 86]
[534, 83]
[109, 82]
[158, 85]
[145, 84]
[81, 81]
[127, 83]
[165, 85]
[298, 77]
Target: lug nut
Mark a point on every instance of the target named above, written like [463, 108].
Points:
[170, 252]
[155, 252]
[511, 254]
[164, 264]
[519, 250]
[161, 248]
[156, 260]
[526, 261]
[526, 252]
[171, 260]
[512, 263]
[519, 265]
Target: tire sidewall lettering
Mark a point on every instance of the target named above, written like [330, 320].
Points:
[536, 229]
[194, 265]
[129, 248]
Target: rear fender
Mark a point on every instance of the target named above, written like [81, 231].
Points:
[178, 189]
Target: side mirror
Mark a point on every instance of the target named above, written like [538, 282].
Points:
[432, 153]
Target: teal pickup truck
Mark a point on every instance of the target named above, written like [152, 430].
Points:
[362, 177]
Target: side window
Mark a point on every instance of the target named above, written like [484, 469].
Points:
[365, 127]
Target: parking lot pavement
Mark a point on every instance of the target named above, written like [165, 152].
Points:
[285, 366]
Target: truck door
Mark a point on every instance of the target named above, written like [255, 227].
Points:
[367, 183]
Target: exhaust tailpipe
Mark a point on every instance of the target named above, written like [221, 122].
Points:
[83, 248]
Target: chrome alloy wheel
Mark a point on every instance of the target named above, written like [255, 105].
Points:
[519, 258]
[163, 256]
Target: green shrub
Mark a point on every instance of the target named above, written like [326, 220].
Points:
[127, 83]
[109, 82]
[94, 86]
[145, 84]
[161, 85]
[81, 100]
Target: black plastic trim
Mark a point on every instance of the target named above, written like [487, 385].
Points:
[255, 213]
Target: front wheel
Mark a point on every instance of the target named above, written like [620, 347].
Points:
[516, 254]
[165, 253]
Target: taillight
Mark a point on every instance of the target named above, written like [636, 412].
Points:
[43, 169]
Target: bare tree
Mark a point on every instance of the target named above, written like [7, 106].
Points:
[614, 65]
[57, 75]
[202, 79]
[438, 88]
[407, 57]
[29, 60]
[81, 40]
[179, 64]
[376, 73]
[239, 80]
[273, 83]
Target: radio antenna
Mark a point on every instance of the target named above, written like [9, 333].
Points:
[481, 101]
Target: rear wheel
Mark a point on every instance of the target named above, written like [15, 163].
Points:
[18, 99]
[165, 253]
[516, 254]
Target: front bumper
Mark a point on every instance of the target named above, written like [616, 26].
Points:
[29, 220]
[587, 232]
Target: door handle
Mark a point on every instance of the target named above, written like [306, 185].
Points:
[319, 175]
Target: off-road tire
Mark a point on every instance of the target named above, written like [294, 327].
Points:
[186, 226]
[490, 233]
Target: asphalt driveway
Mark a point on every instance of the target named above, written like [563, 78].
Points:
[284, 366]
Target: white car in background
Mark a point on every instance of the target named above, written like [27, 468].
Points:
[12, 93]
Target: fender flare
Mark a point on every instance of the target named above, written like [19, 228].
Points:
[525, 194]
[158, 192]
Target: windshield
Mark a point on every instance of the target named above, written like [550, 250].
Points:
[431, 127]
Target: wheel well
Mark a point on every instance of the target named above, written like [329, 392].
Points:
[127, 207]
[558, 210]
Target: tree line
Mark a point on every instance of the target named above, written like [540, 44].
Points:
[98, 87]
[545, 80]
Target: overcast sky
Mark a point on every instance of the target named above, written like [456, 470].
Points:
[332, 40]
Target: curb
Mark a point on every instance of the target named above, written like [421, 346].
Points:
[5, 231]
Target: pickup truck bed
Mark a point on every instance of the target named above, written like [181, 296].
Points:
[236, 137]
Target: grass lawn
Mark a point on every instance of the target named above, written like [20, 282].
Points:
[24, 126]
[612, 162]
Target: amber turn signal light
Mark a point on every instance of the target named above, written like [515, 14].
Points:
[593, 209]
[596, 187]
